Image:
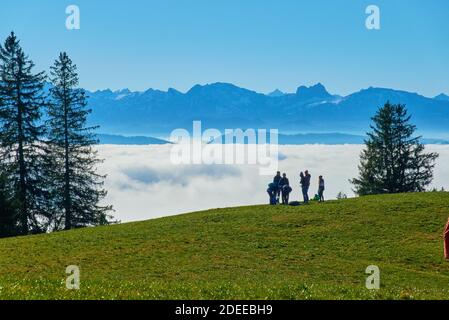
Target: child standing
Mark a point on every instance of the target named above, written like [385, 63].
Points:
[321, 188]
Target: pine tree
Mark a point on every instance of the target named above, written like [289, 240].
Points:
[21, 146]
[77, 186]
[393, 161]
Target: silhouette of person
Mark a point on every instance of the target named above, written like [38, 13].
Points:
[321, 188]
[305, 185]
[285, 188]
[272, 189]
[276, 180]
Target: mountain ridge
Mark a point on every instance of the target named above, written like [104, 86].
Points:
[225, 105]
[442, 97]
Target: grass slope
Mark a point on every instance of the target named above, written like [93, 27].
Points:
[318, 251]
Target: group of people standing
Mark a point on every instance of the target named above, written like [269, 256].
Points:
[280, 188]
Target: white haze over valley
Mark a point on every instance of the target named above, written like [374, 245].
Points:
[143, 184]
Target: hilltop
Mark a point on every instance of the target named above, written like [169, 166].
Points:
[318, 251]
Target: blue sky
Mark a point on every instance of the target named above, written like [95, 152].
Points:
[261, 45]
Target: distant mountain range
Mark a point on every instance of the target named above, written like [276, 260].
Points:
[128, 140]
[336, 138]
[283, 139]
[223, 105]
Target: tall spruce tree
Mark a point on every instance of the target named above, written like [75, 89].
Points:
[76, 184]
[393, 161]
[21, 132]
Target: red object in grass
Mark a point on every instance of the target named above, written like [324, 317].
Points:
[446, 241]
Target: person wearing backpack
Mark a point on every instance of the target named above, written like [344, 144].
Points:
[272, 190]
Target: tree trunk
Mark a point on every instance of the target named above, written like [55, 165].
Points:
[67, 200]
[22, 168]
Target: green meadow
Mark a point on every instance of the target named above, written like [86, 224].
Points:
[319, 251]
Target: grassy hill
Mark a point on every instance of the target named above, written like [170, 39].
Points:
[318, 251]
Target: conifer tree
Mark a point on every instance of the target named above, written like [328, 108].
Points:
[394, 160]
[77, 187]
[21, 132]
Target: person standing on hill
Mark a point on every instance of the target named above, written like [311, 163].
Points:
[276, 180]
[284, 186]
[321, 188]
[305, 185]
[284, 181]
[301, 181]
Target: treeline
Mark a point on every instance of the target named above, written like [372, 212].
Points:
[48, 178]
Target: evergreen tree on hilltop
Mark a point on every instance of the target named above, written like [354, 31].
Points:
[77, 187]
[21, 147]
[394, 161]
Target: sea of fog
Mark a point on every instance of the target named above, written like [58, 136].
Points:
[143, 183]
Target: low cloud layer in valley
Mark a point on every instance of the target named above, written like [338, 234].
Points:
[144, 184]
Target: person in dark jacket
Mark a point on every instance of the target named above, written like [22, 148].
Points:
[276, 180]
[301, 181]
[305, 185]
[272, 189]
[284, 180]
[284, 186]
[321, 188]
